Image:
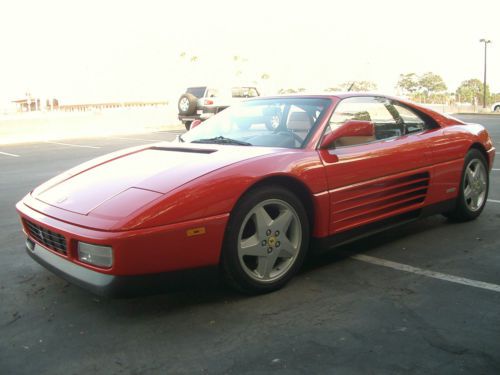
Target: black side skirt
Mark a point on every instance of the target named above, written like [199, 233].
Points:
[319, 245]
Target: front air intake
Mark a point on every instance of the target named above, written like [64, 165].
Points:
[184, 149]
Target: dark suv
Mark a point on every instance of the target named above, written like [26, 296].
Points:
[199, 103]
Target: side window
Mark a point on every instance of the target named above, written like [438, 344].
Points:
[376, 110]
[237, 92]
[252, 92]
[212, 93]
[412, 122]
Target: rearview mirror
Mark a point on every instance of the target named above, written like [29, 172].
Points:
[351, 128]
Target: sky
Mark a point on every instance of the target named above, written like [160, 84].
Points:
[98, 50]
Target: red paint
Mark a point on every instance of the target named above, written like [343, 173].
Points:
[142, 201]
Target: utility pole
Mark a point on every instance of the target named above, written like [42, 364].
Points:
[486, 42]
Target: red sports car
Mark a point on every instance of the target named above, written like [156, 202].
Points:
[250, 188]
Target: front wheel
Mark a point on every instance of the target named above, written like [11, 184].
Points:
[266, 240]
[473, 188]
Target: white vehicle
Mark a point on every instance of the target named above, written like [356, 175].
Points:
[202, 102]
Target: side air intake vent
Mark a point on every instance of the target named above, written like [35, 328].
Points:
[367, 202]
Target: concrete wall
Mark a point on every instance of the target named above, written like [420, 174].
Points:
[39, 126]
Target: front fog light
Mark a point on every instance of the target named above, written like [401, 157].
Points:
[101, 256]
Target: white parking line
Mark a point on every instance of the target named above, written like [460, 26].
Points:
[420, 271]
[493, 201]
[71, 144]
[137, 139]
[9, 154]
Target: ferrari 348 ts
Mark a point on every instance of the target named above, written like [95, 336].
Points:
[249, 189]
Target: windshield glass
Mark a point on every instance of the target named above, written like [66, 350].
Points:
[197, 91]
[281, 122]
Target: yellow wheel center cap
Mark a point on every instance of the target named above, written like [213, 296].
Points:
[271, 241]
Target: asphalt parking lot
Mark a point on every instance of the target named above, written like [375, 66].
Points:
[358, 310]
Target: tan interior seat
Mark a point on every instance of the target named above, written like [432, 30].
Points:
[299, 123]
[352, 141]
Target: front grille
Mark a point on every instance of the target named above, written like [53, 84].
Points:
[46, 237]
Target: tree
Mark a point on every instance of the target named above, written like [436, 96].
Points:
[431, 83]
[408, 83]
[354, 86]
[426, 87]
[471, 91]
[287, 91]
[358, 86]
[333, 89]
[238, 65]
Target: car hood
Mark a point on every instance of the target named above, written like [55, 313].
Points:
[158, 169]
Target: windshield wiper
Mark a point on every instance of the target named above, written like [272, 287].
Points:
[222, 141]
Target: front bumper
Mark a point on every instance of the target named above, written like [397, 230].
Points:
[121, 286]
[138, 255]
[96, 282]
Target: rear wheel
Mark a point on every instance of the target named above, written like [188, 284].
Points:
[266, 240]
[497, 108]
[473, 188]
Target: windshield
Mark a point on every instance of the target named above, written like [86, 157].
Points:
[281, 122]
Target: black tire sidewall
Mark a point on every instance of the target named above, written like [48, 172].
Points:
[230, 262]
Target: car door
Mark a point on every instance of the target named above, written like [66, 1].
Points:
[372, 178]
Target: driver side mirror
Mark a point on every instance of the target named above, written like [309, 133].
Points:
[351, 128]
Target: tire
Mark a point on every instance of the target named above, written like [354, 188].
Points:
[497, 108]
[187, 104]
[474, 186]
[266, 240]
[187, 124]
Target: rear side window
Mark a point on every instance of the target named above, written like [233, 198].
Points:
[413, 123]
[212, 93]
[196, 91]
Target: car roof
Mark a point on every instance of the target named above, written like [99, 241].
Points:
[338, 95]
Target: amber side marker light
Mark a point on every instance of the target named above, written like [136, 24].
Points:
[195, 231]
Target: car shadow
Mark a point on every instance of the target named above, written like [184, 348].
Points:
[181, 291]
[374, 241]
